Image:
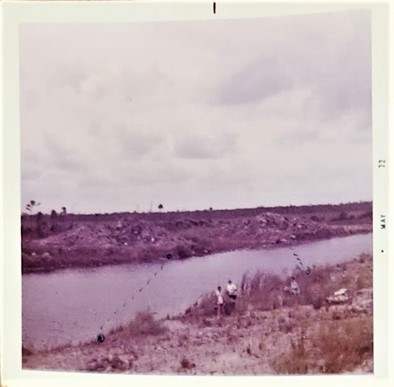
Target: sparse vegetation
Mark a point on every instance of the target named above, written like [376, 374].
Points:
[344, 345]
[293, 362]
[336, 347]
[144, 323]
[317, 302]
[184, 252]
[264, 291]
[296, 338]
[186, 363]
[145, 237]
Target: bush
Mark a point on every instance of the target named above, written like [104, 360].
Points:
[205, 307]
[293, 362]
[184, 252]
[262, 290]
[317, 303]
[337, 346]
[344, 345]
[186, 363]
[343, 216]
[144, 323]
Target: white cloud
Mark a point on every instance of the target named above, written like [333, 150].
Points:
[230, 113]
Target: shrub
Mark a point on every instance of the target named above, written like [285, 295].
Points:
[285, 325]
[361, 283]
[186, 363]
[144, 323]
[184, 252]
[263, 290]
[344, 345]
[317, 302]
[315, 287]
[205, 307]
[337, 346]
[294, 361]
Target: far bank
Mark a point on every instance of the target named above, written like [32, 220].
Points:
[76, 241]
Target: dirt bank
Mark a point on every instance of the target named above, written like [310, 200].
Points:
[268, 333]
[54, 242]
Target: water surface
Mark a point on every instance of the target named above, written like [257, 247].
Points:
[77, 304]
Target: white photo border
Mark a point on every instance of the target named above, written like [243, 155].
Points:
[17, 12]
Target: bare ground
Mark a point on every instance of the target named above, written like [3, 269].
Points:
[266, 334]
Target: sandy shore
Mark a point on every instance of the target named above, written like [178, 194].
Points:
[268, 333]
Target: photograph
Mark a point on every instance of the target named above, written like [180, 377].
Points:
[196, 196]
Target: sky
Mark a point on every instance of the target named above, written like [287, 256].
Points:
[191, 115]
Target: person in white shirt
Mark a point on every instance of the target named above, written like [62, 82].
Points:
[220, 301]
[232, 290]
[295, 289]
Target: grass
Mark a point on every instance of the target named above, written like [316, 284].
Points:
[337, 346]
[293, 362]
[296, 340]
[144, 324]
[186, 363]
[264, 291]
[344, 346]
[96, 239]
[205, 307]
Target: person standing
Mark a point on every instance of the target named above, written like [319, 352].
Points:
[232, 294]
[219, 301]
[294, 287]
[232, 290]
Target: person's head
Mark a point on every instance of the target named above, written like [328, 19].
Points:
[293, 278]
[229, 281]
[219, 288]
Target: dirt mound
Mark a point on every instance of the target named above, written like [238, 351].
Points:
[137, 238]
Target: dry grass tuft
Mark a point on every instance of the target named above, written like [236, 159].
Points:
[262, 290]
[336, 347]
[344, 345]
[144, 323]
[265, 291]
[294, 362]
[186, 364]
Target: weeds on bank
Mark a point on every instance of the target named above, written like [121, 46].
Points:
[144, 323]
[293, 362]
[336, 347]
[186, 364]
[206, 308]
[344, 345]
[264, 291]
